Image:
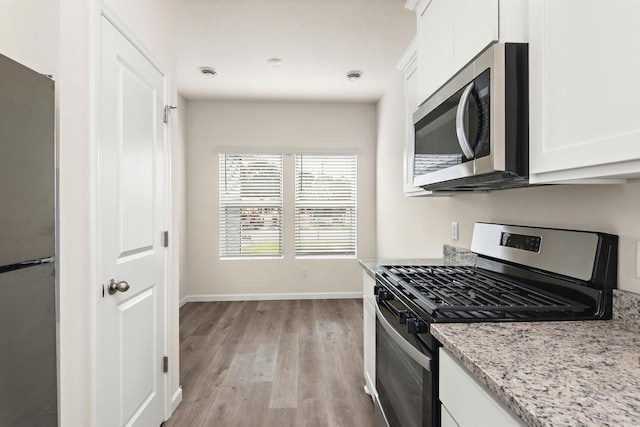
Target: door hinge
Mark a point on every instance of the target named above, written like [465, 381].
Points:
[165, 364]
[165, 239]
[167, 109]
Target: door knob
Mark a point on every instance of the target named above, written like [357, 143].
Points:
[115, 286]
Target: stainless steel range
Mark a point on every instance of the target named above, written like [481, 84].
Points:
[521, 274]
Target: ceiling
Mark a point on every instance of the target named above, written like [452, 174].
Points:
[319, 41]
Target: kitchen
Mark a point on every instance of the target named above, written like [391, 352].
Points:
[402, 227]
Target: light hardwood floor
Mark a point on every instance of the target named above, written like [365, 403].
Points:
[272, 363]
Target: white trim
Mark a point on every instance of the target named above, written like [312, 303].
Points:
[170, 251]
[271, 297]
[183, 301]
[283, 150]
[409, 57]
[176, 399]
[96, 9]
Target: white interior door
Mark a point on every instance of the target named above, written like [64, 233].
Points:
[130, 214]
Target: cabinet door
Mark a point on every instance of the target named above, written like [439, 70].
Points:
[468, 402]
[584, 87]
[369, 346]
[368, 286]
[435, 47]
[410, 70]
[446, 418]
[475, 28]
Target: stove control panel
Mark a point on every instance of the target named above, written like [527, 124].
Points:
[521, 241]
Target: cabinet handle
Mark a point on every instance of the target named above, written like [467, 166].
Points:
[463, 140]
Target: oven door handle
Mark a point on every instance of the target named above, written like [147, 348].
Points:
[420, 358]
[463, 140]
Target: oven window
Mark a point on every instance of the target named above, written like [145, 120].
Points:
[403, 385]
[436, 139]
[436, 142]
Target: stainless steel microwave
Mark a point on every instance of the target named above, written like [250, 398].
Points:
[473, 133]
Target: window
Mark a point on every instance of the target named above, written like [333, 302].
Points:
[250, 217]
[325, 205]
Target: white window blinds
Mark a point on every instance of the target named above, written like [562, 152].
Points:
[250, 217]
[325, 205]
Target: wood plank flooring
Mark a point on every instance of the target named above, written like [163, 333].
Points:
[272, 363]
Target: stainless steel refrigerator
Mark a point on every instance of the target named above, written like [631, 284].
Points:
[28, 368]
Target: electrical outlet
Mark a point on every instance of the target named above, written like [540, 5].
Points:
[305, 272]
[638, 259]
[454, 231]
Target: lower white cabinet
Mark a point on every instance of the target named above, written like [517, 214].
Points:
[446, 419]
[369, 333]
[468, 403]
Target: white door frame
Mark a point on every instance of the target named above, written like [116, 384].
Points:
[98, 10]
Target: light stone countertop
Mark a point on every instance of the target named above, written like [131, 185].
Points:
[574, 374]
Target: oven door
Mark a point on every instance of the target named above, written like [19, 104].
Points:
[454, 134]
[405, 379]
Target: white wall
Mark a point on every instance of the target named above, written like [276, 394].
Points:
[268, 125]
[153, 24]
[29, 33]
[419, 226]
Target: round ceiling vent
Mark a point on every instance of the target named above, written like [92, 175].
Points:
[208, 72]
[354, 75]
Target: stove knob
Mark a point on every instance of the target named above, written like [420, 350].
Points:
[416, 326]
[383, 295]
[403, 315]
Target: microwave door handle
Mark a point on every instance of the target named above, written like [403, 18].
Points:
[463, 140]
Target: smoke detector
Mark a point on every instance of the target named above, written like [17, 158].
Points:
[354, 75]
[208, 72]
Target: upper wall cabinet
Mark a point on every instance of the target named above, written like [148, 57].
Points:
[435, 45]
[453, 32]
[409, 69]
[584, 86]
[408, 66]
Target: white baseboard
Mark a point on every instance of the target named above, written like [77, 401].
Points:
[269, 297]
[176, 399]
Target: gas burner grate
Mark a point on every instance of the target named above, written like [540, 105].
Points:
[473, 293]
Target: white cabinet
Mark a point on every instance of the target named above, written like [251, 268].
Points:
[475, 26]
[435, 46]
[584, 86]
[408, 66]
[453, 32]
[446, 420]
[468, 403]
[369, 333]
